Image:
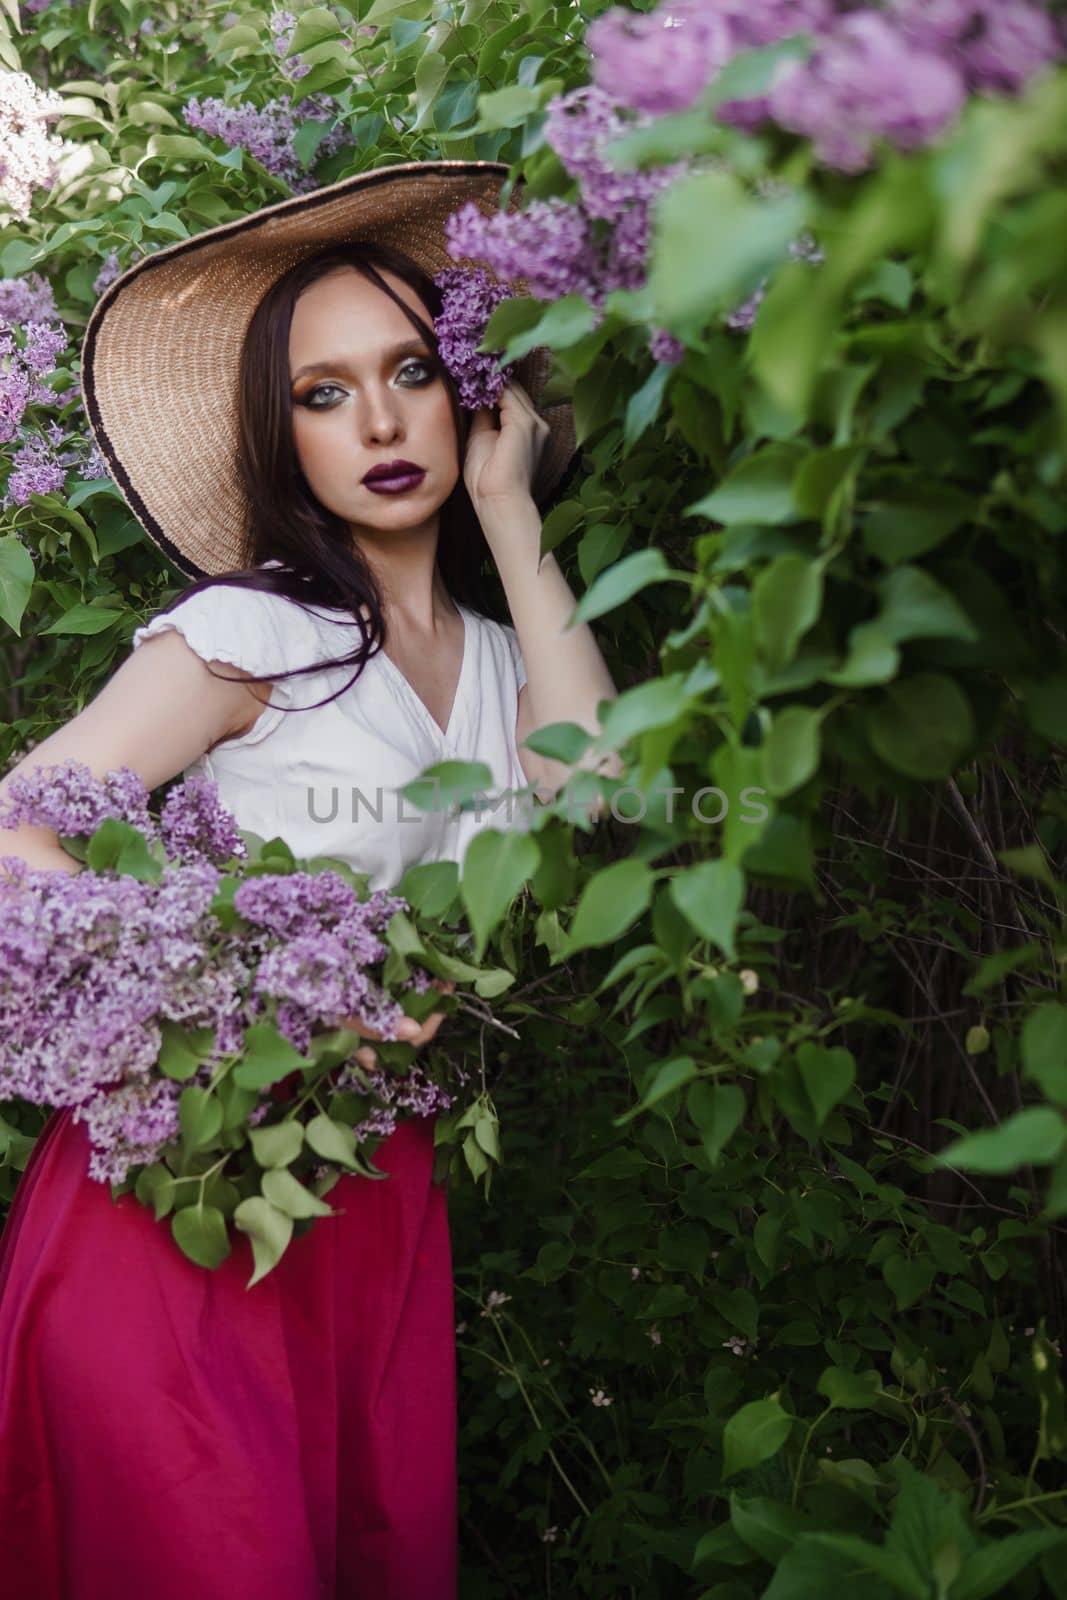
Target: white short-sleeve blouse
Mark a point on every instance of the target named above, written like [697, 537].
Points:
[327, 779]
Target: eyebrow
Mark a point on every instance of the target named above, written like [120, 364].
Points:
[407, 347]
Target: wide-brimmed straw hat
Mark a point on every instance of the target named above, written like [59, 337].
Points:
[161, 352]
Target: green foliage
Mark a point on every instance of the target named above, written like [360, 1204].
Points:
[769, 1297]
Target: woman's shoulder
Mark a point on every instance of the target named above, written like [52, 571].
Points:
[254, 629]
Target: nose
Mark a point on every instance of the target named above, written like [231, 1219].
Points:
[381, 418]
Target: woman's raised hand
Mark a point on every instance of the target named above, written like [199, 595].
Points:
[409, 1032]
[501, 462]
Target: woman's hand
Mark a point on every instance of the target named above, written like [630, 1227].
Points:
[501, 463]
[410, 1031]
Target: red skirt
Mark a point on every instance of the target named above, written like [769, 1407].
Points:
[168, 1434]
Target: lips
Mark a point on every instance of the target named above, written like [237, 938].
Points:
[387, 470]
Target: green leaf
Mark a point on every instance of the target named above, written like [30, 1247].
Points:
[872, 658]
[155, 1187]
[759, 491]
[916, 606]
[792, 749]
[827, 1076]
[713, 240]
[717, 1110]
[1035, 1136]
[923, 727]
[120, 847]
[268, 1057]
[17, 573]
[333, 1141]
[671, 1076]
[909, 1277]
[654, 704]
[850, 1391]
[496, 864]
[290, 1196]
[269, 1230]
[183, 1049]
[1044, 1050]
[643, 406]
[621, 582]
[892, 1566]
[610, 903]
[560, 741]
[711, 895]
[507, 108]
[564, 323]
[754, 1434]
[988, 1571]
[200, 1233]
[276, 1144]
[84, 619]
[786, 600]
[200, 1117]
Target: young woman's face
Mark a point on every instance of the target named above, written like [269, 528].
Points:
[372, 398]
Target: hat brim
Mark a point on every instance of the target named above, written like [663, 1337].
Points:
[161, 351]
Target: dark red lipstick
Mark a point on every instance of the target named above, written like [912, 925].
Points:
[394, 477]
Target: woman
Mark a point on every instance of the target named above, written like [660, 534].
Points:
[165, 1432]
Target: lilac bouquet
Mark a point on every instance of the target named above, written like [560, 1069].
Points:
[189, 994]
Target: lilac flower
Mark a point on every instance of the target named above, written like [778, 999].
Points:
[665, 347]
[28, 299]
[129, 1126]
[867, 82]
[193, 823]
[660, 60]
[578, 126]
[24, 362]
[549, 245]
[998, 44]
[267, 134]
[469, 297]
[109, 271]
[28, 152]
[69, 799]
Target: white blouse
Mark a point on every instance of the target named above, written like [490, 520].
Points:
[327, 779]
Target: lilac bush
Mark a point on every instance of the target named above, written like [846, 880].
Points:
[267, 133]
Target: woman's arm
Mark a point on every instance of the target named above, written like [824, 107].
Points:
[566, 674]
[160, 710]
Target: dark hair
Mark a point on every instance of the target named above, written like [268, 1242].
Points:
[321, 565]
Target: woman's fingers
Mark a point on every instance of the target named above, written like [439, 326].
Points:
[409, 1030]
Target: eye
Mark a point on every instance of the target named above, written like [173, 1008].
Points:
[305, 400]
[428, 373]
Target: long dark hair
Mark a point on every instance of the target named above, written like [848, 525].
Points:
[321, 565]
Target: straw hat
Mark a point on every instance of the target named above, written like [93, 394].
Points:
[163, 344]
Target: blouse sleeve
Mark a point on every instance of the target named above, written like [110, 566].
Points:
[236, 626]
[516, 654]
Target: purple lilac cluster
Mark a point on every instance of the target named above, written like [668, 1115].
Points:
[412, 1094]
[316, 975]
[589, 247]
[32, 338]
[468, 299]
[899, 72]
[267, 134]
[92, 965]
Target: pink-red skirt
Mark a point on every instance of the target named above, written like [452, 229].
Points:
[168, 1434]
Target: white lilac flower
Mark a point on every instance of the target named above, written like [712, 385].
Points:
[28, 151]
